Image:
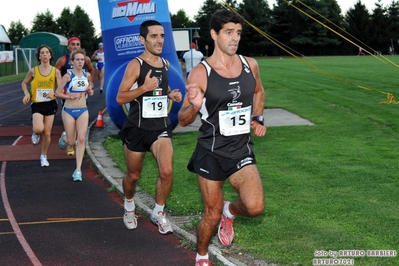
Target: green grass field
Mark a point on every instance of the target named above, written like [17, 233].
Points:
[329, 187]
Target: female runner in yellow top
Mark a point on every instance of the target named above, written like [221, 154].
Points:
[43, 80]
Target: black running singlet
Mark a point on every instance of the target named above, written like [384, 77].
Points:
[150, 110]
[226, 112]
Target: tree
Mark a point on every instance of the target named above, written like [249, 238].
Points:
[64, 23]
[180, 20]
[358, 23]
[323, 40]
[283, 26]
[83, 28]
[298, 32]
[257, 13]
[335, 22]
[393, 22]
[379, 35]
[44, 22]
[69, 24]
[16, 32]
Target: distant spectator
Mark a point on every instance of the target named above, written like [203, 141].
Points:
[192, 58]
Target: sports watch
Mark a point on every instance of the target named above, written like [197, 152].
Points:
[258, 118]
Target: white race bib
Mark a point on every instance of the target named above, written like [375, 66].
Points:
[235, 122]
[41, 95]
[79, 85]
[155, 107]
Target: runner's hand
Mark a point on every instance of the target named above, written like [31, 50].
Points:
[26, 98]
[150, 84]
[194, 94]
[259, 130]
[175, 95]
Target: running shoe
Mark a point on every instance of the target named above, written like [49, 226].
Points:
[43, 160]
[226, 231]
[164, 226]
[101, 90]
[70, 150]
[203, 263]
[77, 175]
[130, 219]
[62, 140]
[35, 138]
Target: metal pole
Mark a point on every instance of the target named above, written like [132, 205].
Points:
[16, 60]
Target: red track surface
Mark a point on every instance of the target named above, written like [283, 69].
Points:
[47, 219]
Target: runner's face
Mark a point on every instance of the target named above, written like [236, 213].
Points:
[45, 55]
[74, 45]
[155, 39]
[229, 37]
[78, 61]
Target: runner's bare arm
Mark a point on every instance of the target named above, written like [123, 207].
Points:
[195, 89]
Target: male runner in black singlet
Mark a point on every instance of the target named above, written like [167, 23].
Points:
[147, 127]
[226, 90]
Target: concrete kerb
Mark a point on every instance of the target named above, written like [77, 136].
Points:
[214, 250]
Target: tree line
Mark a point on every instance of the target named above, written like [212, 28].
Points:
[305, 27]
[69, 23]
[299, 27]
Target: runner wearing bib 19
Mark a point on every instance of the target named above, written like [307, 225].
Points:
[145, 85]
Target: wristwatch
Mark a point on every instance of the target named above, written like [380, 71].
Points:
[258, 118]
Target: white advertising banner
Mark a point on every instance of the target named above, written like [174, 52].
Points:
[6, 56]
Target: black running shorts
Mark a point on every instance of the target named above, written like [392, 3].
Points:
[216, 167]
[140, 140]
[45, 108]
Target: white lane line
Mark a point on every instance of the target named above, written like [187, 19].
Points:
[29, 252]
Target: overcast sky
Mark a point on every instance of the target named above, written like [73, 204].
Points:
[26, 10]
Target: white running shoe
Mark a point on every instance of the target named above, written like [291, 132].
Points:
[164, 226]
[35, 138]
[130, 219]
[43, 161]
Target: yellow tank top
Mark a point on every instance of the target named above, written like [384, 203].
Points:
[41, 85]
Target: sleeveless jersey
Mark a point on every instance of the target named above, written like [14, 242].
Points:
[149, 111]
[226, 112]
[100, 56]
[77, 84]
[41, 85]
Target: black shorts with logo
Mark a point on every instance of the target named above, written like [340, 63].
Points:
[216, 167]
[45, 108]
[140, 140]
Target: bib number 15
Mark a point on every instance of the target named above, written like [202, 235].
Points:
[235, 122]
